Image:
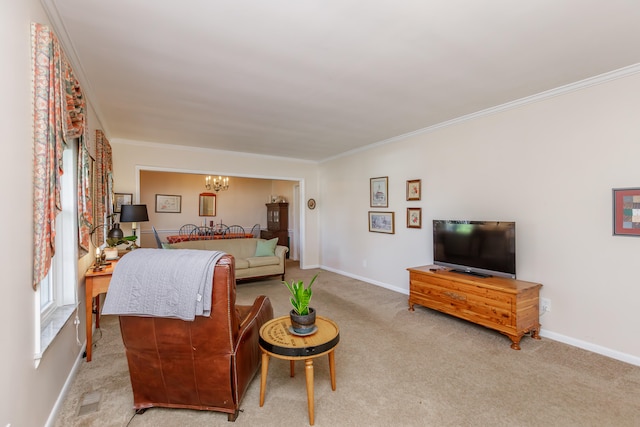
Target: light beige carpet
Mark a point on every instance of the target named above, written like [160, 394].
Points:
[394, 368]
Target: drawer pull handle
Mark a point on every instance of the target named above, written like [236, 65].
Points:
[456, 296]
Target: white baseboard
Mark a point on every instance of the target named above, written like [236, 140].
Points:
[308, 267]
[594, 348]
[367, 280]
[65, 389]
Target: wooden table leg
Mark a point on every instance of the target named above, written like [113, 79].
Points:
[308, 365]
[263, 376]
[97, 305]
[88, 320]
[332, 369]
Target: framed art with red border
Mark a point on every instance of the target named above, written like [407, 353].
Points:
[626, 212]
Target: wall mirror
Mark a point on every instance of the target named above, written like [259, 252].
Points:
[207, 204]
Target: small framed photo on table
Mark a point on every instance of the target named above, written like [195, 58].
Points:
[626, 212]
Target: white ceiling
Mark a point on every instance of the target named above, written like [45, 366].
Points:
[311, 79]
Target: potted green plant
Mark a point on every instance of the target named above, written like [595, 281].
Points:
[303, 317]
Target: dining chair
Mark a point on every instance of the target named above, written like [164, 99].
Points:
[205, 231]
[235, 229]
[158, 241]
[255, 231]
[186, 229]
[199, 232]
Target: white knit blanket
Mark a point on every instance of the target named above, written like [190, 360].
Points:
[162, 282]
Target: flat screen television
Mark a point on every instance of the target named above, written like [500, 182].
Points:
[481, 248]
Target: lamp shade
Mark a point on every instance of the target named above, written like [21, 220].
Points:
[133, 213]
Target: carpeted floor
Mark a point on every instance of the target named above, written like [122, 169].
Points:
[394, 368]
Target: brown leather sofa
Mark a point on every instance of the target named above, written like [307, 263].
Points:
[206, 364]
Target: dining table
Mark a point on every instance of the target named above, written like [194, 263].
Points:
[177, 238]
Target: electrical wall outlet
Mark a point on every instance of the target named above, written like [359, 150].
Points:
[545, 305]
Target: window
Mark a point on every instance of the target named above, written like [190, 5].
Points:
[56, 296]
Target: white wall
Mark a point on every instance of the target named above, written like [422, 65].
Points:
[27, 394]
[129, 157]
[550, 166]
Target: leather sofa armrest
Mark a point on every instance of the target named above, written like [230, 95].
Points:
[246, 352]
[261, 311]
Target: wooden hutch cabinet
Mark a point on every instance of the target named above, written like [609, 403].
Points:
[277, 223]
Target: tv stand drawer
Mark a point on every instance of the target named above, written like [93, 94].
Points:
[479, 305]
[507, 305]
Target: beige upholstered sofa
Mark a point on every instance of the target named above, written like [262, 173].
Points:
[248, 265]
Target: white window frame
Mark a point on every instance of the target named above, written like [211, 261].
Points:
[62, 279]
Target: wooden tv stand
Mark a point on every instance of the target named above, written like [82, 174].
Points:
[507, 305]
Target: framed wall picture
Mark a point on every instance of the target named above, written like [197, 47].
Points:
[207, 205]
[379, 189]
[626, 212]
[167, 203]
[120, 199]
[413, 189]
[381, 222]
[311, 204]
[414, 217]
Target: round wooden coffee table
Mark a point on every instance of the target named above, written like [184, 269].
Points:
[277, 340]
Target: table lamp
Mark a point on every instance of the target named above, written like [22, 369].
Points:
[133, 214]
[115, 234]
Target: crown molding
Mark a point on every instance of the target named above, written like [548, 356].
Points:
[190, 148]
[562, 90]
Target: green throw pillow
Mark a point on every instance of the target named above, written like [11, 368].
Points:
[266, 247]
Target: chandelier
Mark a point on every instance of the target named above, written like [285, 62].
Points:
[216, 184]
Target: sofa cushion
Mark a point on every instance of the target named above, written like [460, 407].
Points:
[242, 263]
[259, 261]
[239, 248]
[266, 247]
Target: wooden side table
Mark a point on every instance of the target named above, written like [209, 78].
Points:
[276, 340]
[96, 283]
